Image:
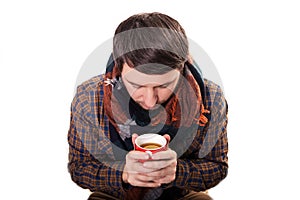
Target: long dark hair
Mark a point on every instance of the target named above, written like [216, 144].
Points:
[153, 43]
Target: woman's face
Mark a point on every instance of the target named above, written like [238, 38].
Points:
[149, 90]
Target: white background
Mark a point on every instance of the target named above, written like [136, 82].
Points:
[254, 45]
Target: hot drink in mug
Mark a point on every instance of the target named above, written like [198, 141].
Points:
[150, 143]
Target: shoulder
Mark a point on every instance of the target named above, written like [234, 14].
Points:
[214, 95]
[91, 84]
[212, 88]
[88, 94]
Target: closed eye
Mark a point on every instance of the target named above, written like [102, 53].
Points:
[163, 86]
[136, 86]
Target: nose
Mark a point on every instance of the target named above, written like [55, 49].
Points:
[150, 98]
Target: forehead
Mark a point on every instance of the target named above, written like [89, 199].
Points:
[139, 78]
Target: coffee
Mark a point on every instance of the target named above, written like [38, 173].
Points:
[150, 142]
[151, 145]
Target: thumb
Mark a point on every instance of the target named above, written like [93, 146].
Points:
[168, 138]
[133, 138]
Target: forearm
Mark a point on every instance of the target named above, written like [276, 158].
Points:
[199, 174]
[94, 175]
[90, 171]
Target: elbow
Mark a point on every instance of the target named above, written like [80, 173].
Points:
[224, 172]
[217, 177]
[76, 176]
[72, 172]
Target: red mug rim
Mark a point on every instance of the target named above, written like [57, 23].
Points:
[156, 135]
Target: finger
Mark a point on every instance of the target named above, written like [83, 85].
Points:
[170, 170]
[143, 177]
[167, 179]
[167, 136]
[133, 138]
[137, 155]
[136, 182]
[168, 154]
[159, 164]
[135, 168]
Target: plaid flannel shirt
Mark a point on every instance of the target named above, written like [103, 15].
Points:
[92, 164]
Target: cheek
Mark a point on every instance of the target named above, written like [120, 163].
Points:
[134, 93]
[164, 94]
[131, 90]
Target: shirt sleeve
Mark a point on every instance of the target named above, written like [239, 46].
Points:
[207, 166]
[89, 165]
